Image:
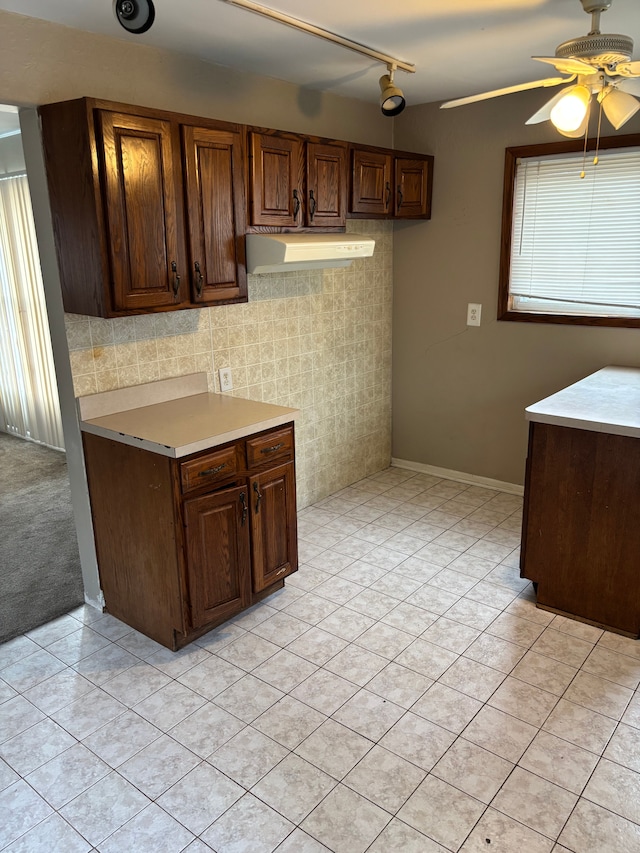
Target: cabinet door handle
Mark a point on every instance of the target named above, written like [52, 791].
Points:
[282, 570]
[176, 279]
[209, 471]
[312, 205]
[243, 502]
[296, 204]
[273, 448]
[400, 197]
[199, 279]
[259, 496]
[387, 194]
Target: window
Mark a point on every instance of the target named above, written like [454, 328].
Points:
[571, 245]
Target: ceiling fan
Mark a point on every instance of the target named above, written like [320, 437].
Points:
[599, 63]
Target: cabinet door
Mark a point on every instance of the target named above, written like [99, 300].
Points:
[412, 188]
[276, 180]
[273, 525]
[326, 185]
[217, 542]
[216, 214]
[371, 182]
[144, 222]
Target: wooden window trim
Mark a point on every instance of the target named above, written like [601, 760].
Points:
[541, 150]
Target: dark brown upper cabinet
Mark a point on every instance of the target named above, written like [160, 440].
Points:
[148, 209]
[216, 214]
[390, 184]
[297, 182]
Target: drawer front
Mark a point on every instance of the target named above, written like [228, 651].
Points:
[274, 446]
[208, 469]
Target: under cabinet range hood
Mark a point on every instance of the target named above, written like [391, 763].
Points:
[287, 252]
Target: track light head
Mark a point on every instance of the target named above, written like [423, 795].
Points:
[392, 100]
[136, 16]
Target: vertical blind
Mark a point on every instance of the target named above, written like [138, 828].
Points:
[576, 241]
[29, 404]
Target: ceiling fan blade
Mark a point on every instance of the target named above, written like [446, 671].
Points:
[567, 66]
[520, 87]
[629, 84]
[544, 113]
[629, 69]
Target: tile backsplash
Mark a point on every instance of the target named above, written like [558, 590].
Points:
[319, 341]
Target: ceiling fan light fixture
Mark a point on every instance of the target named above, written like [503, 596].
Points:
[569, 113]
[392, 100]
[579, 132]
[619, 106]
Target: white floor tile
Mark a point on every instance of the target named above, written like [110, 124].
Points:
[401, 694]
[346, 822]
[249, 826]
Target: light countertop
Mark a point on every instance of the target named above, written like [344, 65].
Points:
[607, 401]
[176, 417]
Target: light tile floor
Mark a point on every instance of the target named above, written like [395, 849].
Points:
[402, 693]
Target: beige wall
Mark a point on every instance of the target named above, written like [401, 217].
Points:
[459, 392]
[320, 342]
[42, 62]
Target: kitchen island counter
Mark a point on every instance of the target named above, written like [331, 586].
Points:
[581, 520]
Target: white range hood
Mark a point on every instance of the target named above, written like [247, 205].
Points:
[286, 252]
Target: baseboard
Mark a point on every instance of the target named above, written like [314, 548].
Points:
[459, 476]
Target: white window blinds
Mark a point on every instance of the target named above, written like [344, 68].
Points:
[576, 241]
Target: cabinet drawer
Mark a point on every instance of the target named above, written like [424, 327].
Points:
[208, 469]
[276, 445]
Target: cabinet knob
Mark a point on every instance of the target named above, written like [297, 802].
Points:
[208, 471]
[259, 496]
[273, 448]
[199, 279]
[176, 279]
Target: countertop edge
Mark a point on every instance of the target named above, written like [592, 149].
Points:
[607, 401]
[195, 446]
[577, 423]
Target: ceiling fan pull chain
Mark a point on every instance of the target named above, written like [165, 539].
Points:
[596, 158]
[586, 139]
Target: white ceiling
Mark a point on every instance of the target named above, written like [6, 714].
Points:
[459, 47]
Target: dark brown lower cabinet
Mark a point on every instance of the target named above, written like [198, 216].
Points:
[217, 534]
[581, 525]
[273, 525]
[185, 544]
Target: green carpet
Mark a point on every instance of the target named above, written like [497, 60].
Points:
[40, 575]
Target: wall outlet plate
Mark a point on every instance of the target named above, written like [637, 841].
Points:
[474, 311]
[226, 382]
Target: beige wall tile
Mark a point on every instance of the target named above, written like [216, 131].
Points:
[319, 341]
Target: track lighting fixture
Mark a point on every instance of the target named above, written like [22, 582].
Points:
[392, 100]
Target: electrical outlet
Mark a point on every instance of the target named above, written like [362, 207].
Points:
[474, 310]
[226, 383]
